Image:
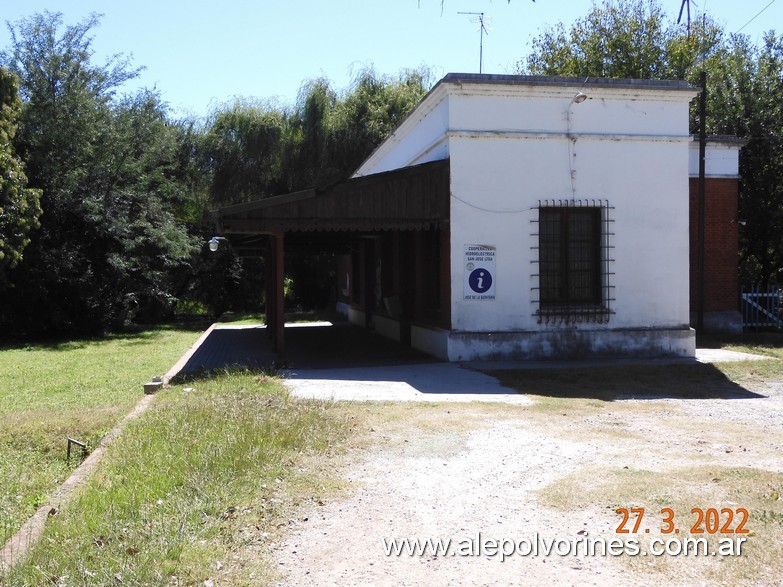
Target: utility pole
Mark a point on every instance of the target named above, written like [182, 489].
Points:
[702, 179]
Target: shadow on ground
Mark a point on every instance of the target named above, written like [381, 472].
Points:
[611, 383]
[355, 362]
[339, 346]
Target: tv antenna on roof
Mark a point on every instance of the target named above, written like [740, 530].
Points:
[686, 3]
[482, 20]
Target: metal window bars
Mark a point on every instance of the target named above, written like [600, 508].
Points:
[572, 279]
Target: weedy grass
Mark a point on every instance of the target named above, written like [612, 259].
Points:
[78, 389]
[760, 343]
[189, 488]
[681, 490]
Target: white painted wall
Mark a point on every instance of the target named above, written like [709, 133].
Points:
[512, 150]
[420, 138]
[511, 146]
[721, 158]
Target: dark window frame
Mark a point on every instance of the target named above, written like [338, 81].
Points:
[570, 255]
[574, 261]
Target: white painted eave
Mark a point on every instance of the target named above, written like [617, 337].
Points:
[429, 103]
[523, 87]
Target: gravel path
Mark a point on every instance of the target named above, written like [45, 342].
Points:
[459, 471]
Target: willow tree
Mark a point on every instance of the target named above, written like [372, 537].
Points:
[371, 109]
[243, 145]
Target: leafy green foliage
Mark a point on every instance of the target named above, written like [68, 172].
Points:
[19, 205]
[243, 143]
[624, 39]
[260, 150]
[745, 85]
[123, 191]
[370, 112]
[632, 39]
[629, 39]
[110, 171]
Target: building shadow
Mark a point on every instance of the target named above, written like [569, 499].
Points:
[689, 380]
[337, 345]
[343, 352]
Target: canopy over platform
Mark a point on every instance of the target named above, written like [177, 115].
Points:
[411, 198]
[408, 199]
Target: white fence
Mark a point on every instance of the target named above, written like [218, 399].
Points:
[762, 308]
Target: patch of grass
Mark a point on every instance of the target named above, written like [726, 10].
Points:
[247, 318]
[682, 489]
[78, 389]
[192, 486]
[752, 372]
[759, 343]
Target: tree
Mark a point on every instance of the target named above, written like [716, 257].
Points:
[256, 150]
[332, 133]
[244, 145]
[745, 87]
[110, 172]
[632, 39]
[623, 39]
[20, 206]
[371, 110]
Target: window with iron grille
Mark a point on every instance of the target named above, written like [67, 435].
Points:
[573, 261]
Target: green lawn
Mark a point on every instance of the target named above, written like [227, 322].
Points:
[195, 489]
[78, 389]
[200, 476]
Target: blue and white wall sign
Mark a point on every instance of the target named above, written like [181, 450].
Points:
[479, 272]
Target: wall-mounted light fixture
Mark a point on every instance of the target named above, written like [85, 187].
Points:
[579, 98]
[214, 242]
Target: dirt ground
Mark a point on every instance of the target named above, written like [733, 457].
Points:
[555, 469]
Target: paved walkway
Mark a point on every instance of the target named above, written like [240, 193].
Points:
[433, 382]
[225, 346]
[344, 362]
[310, 345]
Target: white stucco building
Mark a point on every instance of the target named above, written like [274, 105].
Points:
[514, 217]
[520, 147]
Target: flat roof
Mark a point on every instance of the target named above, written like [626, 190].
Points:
[545, 80]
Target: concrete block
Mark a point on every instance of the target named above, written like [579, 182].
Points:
[152, 387]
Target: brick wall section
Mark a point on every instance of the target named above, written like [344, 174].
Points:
[721, 273]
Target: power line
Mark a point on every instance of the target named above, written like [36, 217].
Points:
[755, 17]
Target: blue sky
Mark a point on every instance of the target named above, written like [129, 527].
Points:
[200, 53]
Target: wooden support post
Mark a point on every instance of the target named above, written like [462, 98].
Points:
[279, 319]
[269, 289]
[369, 281]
